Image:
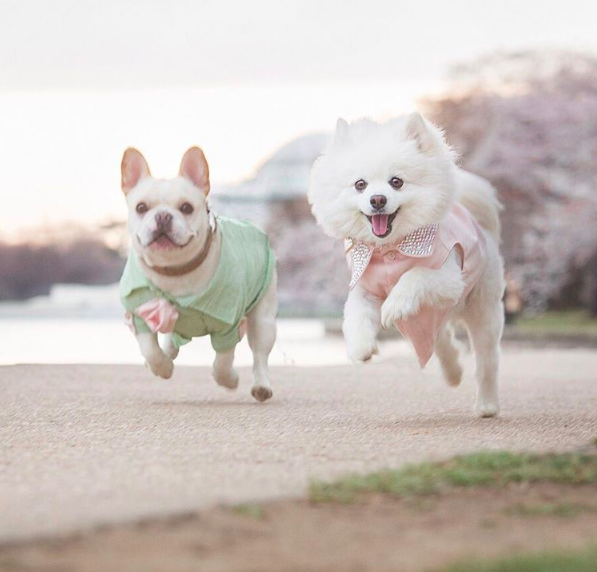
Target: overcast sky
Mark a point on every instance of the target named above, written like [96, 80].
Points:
[142, 43]
[80, 80]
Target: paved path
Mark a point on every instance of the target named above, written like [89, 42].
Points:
[85, 445]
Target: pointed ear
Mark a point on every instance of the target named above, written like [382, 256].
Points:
[133, 168]
[194, 167]
[341, 130]
[419, 131]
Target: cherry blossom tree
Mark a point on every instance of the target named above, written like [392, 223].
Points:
[528, 123]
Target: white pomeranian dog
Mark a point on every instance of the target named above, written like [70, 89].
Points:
[422, 240]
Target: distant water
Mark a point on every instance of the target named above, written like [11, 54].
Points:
[83, 324]
[93, 340]
[96, 340]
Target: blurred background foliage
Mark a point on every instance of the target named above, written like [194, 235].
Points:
[526, 121]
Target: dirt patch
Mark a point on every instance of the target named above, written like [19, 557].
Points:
[379, 533]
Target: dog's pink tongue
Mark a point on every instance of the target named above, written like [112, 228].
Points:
[379, 222]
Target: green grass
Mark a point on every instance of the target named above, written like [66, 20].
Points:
[251, 510]
[562, 510]
[565, 561]
[479, 469]
[567, 322]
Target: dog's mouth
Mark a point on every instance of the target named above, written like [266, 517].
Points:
[162, 241]
[381, 224]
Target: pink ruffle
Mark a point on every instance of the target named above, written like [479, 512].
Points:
[159, 315]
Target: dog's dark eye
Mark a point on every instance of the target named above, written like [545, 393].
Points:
[360, 185]
[141, 208]
[186, 208]
[396, 183]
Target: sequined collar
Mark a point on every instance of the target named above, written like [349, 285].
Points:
[418, 244]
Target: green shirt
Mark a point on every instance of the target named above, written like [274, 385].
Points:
[243, 274]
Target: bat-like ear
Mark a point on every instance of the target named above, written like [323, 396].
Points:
[420, 132]
[133, 169]
[194, 167]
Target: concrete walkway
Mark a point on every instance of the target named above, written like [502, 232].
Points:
[88, 445]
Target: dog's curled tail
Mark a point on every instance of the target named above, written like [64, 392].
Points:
[480, 198]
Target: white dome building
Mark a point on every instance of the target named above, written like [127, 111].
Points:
[312, 281]
[284, 176]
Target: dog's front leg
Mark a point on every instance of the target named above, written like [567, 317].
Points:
[441, 288]
[157, 361]
[223, 371]
[169, 347]
[361, 325]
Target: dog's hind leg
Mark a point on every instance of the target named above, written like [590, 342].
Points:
[485, 330]
[448, 355]
[261, 333]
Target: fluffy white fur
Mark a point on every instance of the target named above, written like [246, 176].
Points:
[414, 150]
[187, 235]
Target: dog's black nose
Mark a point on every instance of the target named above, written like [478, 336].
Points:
[163, 220]
[378, 202]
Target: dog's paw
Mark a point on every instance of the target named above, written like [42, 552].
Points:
[486, 409]
[261, 392]
[398, 306]
[453, 376]
[161, 366]
[452, 371]
[361, 349]
[226, 378]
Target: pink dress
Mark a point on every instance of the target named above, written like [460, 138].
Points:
[378, 269]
